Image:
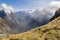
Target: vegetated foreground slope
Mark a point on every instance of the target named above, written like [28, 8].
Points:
[50, 31]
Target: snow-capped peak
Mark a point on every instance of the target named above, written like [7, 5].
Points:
[7, 9]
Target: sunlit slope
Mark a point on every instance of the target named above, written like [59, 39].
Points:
[50, 31]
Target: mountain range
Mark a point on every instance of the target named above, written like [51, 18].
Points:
[38, 24]
[22, 21]
[50, 31]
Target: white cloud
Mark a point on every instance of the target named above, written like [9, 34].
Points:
[54, 5]
[7, 9]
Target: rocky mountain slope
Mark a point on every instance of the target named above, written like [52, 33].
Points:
[5, 28]
[11, 21]
[50, 31]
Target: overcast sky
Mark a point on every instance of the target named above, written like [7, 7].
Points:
[27, 4]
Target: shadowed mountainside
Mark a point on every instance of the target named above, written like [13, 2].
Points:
[57, 14]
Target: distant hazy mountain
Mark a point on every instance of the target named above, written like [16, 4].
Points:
[25, 20]
[31, 19]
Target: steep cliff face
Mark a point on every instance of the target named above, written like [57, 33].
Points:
[50, 31]
[2, 14]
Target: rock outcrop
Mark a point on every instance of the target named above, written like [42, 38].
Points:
[57, 14]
